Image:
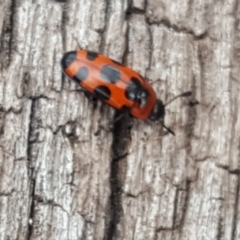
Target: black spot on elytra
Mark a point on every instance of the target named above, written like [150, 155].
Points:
[132, 89]
[81, 74]
[91, 55]
[68, 58]
[136, 92]
[135, 81]
[110, 74]
[102, 93]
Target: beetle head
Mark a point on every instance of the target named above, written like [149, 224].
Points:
[158, 111]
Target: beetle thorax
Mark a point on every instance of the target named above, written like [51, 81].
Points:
[158, 111]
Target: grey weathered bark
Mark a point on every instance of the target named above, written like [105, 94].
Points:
[62, 178]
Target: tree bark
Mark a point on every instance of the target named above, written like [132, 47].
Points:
[63, 175]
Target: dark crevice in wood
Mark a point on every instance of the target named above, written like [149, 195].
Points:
[135, 10]
[166, 23]
[129, 6]
[192, 115]
[31, 214]
[121, 138]
[115, 203]
[31, 169]
[236, 17]
[145, 5]
[30, 131]
[12, 24]
[119, 158]
[4, 60]
[175, 208]
[146, 191]
[63, 25]
[8, 194]
[226, 167]
[2, 122]
[45, 202]
[234, 73]
[200, 37]
[234, 171]
[107, 15]
[7, 36]
[202, 54]
[130, 195]
[26, 84]
[180, 225]
[235, 214]
[222, 166]
[126, 50]
[64, 33]
[185, 206]
[164, 229]
[150, 47]
[220, 227]
[11, 110]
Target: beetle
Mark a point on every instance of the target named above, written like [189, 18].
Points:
[117, 85]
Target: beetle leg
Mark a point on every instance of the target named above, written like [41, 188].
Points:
[120, 115]
[168, 129]
[90, 96]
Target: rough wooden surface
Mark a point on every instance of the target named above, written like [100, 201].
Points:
[61, 177]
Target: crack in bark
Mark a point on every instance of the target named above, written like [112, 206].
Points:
[175, 208]
[63, 32]
[119, 158]
[180, 225]
[12, 25]
[63, 24]
[31, 169]
[135, 196]
[192, 113]
[7, 36]
[115, 202]
[151, 44]
[126, 50]
[166, 23]
[31, 213]
[185, 206]
[220, 227]
[11, 110]
[234, 171]
[135, 10]
[107, 14]
[121, 139]
[235, 215]
[226, 167]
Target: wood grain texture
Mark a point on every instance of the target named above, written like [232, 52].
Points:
[64, 175]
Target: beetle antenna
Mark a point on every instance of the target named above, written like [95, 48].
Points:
[185, 94]
[168, 129]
